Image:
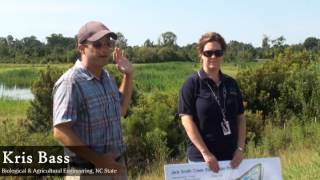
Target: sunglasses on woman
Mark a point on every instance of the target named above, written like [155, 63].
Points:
[216, 53]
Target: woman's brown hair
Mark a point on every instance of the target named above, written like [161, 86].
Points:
[211, 37]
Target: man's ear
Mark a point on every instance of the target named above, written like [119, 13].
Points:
[81, 48]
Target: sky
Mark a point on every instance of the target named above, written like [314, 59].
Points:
[241, 20]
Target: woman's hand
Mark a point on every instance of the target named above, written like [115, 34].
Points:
[237, 158]
[212, 162]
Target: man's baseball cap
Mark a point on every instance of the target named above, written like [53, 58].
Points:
[93, 31]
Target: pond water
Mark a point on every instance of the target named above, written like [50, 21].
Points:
[15, 92]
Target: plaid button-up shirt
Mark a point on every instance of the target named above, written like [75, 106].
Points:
[92, 106]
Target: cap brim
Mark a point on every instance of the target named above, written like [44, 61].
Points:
[100, 34]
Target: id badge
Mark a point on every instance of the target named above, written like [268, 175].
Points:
[226, 128]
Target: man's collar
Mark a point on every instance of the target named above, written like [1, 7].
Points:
[88, 74]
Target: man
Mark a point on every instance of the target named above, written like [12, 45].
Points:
[87, 104]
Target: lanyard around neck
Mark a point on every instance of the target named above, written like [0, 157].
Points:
[222, 108]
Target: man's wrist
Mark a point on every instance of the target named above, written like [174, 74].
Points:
[128, 75]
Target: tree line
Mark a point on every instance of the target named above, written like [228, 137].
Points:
[60, 49]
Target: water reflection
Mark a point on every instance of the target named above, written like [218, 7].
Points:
[15, 92]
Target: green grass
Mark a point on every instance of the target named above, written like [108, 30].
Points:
[303, 164]
[13, 109]
[169, 76]
[162, 76]
[297, 146]
[21, 75]
[148, 77]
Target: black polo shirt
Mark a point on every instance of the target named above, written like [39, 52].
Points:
[196, 99]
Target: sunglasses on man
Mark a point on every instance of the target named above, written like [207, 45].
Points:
[216, 53]
[102, 43]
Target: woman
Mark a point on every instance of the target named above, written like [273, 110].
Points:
[211, 109]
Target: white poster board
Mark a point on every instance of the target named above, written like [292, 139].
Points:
[249, 169]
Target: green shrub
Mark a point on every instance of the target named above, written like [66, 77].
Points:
[300, 94]
[254, 125]
[15, 133]
[152, 129]
[283, 87]
[40, 111]
[260, 87]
